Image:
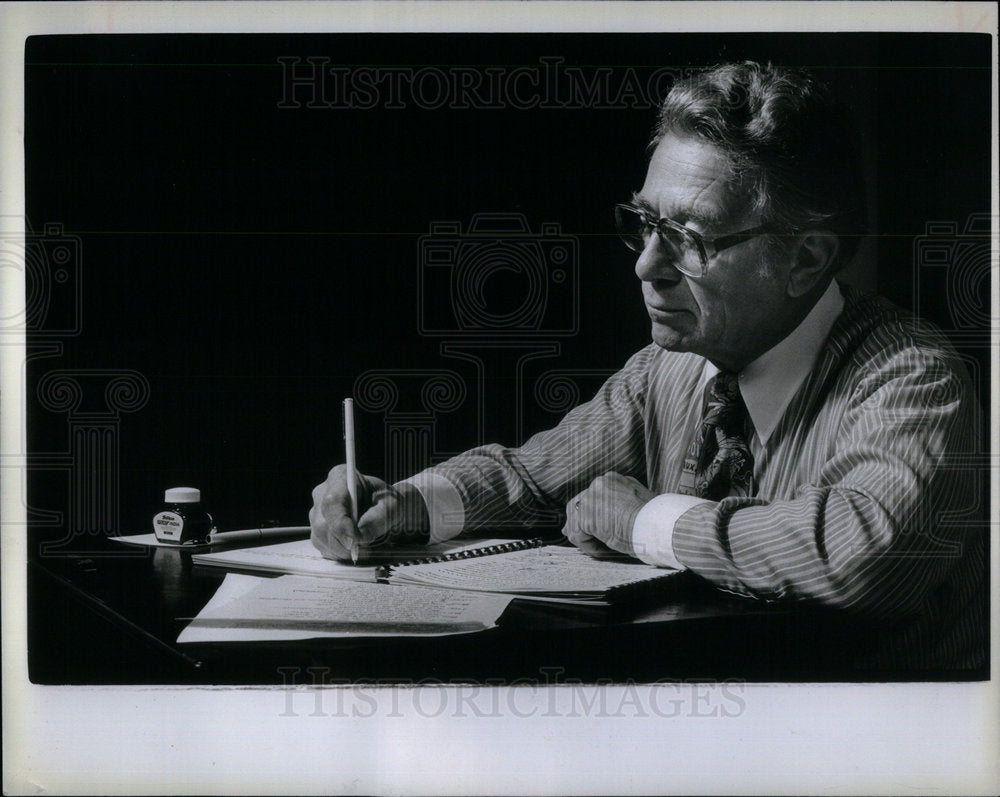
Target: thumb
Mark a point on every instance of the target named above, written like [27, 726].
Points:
[368, 487]
[374, 524]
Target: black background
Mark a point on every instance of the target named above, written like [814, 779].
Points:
[252, 261]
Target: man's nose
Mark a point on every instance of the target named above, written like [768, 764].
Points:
[656, 263]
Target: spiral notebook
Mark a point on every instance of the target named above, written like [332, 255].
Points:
[529, 569]
[300, 557]
[556, 573]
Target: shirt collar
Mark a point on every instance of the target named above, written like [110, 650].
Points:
[769, 382]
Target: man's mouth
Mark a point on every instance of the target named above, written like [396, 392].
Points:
[663, 312]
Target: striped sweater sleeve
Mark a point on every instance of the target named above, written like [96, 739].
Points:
[529, 486]
[864, 533]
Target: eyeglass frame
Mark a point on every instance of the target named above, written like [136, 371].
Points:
[707, 247]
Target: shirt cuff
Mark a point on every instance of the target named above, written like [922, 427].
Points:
[653, 529]
[444, 505]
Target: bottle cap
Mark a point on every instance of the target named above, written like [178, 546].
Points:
[182, 495]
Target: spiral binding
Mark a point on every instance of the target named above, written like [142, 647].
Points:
[384, 571]
[487, 550]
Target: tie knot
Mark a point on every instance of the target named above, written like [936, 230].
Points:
[725, 408]
[724, 388]
[725, 385]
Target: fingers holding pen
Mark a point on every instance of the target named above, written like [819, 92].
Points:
[329, 537]
[334, 531]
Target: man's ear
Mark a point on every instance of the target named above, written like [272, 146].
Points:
[815, 254]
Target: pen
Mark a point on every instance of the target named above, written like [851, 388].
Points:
[250, 535]
[352, 472]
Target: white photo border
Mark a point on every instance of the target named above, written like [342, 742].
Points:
[830, 738]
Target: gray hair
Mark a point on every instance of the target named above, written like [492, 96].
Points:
[792, 146]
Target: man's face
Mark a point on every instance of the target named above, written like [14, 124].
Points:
[726, 315]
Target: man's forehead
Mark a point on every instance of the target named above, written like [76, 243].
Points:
[691, 178]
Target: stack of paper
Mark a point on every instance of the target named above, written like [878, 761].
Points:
[551, 573]
[249, 608]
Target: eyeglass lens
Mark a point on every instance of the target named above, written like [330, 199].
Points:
[635, 229]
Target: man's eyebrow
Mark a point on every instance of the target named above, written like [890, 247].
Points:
[639, 202]
[642, 204]
[708, 220]
[705, 218]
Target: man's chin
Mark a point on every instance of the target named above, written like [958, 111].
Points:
[667, 338]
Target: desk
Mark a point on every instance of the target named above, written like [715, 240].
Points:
[111, 615]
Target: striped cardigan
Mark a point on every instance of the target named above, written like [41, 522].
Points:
[867, 498]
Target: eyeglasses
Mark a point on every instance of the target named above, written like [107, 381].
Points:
[688, 250]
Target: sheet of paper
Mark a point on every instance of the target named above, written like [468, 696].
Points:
[551, 570]
[247, 609]
[151, 541]
[300, 557]
[233, 586]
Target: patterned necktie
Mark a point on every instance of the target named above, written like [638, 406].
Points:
[719, 462]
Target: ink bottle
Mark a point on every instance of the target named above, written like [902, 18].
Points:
[182, 519]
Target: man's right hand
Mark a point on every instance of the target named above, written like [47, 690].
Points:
[386, 514]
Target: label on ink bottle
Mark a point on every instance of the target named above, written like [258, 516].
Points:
[168, 526]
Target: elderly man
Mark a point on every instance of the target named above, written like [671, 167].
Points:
[783, 437]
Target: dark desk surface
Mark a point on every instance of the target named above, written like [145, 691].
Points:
[104, 613]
